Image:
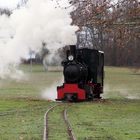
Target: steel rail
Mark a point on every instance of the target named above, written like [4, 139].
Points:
[67, 123]
[69, 128]
[46, 128]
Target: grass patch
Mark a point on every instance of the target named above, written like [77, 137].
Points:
[22, 119]
[33, 84]
[22, 110]
[109, 120]
[121, 83]
[58, 129]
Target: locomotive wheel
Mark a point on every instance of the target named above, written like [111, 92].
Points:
[90, 97]
[97, 96]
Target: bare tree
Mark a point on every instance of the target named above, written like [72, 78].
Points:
[115, 28]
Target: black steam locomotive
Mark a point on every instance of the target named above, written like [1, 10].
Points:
[83, 75]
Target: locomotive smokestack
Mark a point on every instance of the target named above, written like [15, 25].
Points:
[73, 50]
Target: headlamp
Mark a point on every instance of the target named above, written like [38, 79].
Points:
[70, 58]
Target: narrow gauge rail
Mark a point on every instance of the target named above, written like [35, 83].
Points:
[68, 125]
[69, 129]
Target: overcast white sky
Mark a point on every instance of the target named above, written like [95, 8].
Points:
[13, 3]
[8, 3]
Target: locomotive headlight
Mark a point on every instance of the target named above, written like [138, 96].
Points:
[70, 58]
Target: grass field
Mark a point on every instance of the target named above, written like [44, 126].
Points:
[117, 118]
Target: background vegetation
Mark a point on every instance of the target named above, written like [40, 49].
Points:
[114, 28]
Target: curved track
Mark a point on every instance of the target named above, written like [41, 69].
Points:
[69, 129]
[67, 123]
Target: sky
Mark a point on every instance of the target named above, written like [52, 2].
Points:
[13, 3]
[8, 3]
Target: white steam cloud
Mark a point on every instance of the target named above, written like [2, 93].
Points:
[39, 21]
[51, 92]
[120, 92]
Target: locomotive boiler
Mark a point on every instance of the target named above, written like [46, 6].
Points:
[83, 71]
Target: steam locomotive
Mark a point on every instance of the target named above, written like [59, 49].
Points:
[83, 75]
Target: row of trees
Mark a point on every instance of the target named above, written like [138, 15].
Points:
[5, 11]
[115, 28]
[8, 12]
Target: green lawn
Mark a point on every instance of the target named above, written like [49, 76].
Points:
[121, 83]
[117, 118]
[109, 120]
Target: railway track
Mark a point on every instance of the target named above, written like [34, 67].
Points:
[68, 130]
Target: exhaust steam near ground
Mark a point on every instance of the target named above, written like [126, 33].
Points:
[120, 91]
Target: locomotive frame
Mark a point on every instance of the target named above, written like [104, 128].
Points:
[83, 75]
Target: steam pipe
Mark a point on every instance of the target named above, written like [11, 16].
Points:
[73, 50]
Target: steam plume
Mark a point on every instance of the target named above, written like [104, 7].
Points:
[120, 91]
[51, 92]
[39, 21]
